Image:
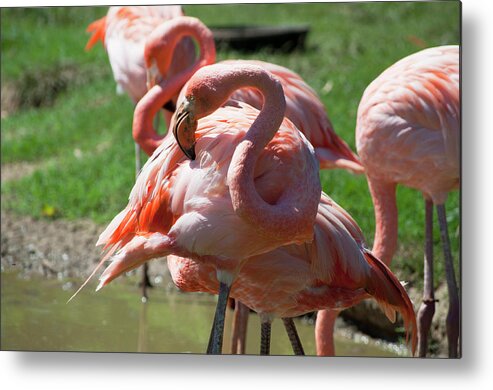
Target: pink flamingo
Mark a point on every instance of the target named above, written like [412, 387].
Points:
[253, 188]
[303, 106]
[334, 271]
[123, 32]
[408, 132]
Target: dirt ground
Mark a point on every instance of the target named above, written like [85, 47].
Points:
[54, 248]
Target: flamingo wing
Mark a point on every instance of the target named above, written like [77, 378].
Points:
[307, 112]
[335, 271]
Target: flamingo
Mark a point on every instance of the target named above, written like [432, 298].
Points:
[253, 188]
[304, 108]
[408, 132]
[334, 271]
[123, 32]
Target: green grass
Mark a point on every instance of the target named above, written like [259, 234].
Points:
[88, 167]
[80, 139]
[37, 39]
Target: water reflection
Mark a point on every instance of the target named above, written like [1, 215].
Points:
[35, 316]
[142, 339]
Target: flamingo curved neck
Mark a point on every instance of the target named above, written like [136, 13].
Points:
[174, 32]
[291, 219]
[144, 132]
[386, 219]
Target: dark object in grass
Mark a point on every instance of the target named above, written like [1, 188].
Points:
[40, 87]
[253, 38]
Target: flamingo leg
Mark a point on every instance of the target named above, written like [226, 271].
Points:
[144, 282]
[211, 337]
[215, 345]
[265, 328]
[293, 336]
[427, 309]
[240, 322]
[453, 316]
[324, 332]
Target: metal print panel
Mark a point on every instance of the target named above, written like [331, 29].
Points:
[267, 179]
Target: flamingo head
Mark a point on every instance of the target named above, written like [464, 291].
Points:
[184, 125]
[208, 89]
[153, 75]
[205, 92]
[158, 54]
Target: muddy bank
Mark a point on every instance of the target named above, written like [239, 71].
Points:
[54, 248]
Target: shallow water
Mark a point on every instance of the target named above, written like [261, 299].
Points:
[36, 317]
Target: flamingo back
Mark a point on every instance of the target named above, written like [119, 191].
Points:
[307, 112]
[409, 117]
[123, 31]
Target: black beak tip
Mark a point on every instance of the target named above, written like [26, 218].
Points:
[191, 154]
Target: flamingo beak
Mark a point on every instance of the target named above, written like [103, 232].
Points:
[153, 75]
[184, 126]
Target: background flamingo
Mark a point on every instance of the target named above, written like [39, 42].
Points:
[254, 186]
[123, 32]
[408, 132]
[303, 106]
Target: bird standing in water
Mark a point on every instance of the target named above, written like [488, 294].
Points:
[304, 109]
[177, 205]
[253, 188]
